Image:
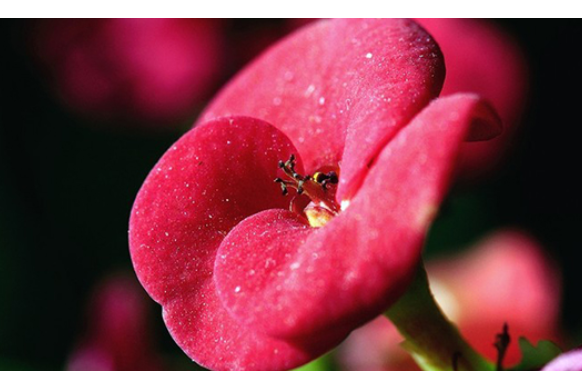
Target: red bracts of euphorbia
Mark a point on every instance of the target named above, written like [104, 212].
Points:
[246, 283]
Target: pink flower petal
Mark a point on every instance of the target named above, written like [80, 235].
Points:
[278, 276]
[340, 89]
[481, 58]
[570, 361]
[211, 179]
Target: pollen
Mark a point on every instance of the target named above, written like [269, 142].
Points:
[318, 216]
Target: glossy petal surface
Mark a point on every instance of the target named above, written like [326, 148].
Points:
[339, 89]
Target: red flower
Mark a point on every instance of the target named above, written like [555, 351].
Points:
[145, 71]
[505, 278]
[118, 336]
[246, 283]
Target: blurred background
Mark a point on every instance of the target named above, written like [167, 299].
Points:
[88, 107]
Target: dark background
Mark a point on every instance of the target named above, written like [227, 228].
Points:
[67, 185]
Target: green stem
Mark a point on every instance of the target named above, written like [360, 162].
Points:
[432, 340]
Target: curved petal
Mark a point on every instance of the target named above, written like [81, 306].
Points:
[340, 89]
[309, 281]
[480, 58]
[212, 178]
[569, 361]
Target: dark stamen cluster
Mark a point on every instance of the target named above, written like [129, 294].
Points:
[299, 181]
[314, 186]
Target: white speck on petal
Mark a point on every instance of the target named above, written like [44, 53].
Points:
[344, 204]
[294, 266]
[369, 55]
[237, 289]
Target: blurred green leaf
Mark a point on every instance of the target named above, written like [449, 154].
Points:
[323, 363]
[535, 357]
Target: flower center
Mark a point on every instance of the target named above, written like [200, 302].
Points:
[319, 187]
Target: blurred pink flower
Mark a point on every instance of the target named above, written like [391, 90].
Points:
[150, 72]
[118, 335]
[569, 361]
[505, 278]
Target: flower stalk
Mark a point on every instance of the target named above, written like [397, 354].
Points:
[433, 341]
